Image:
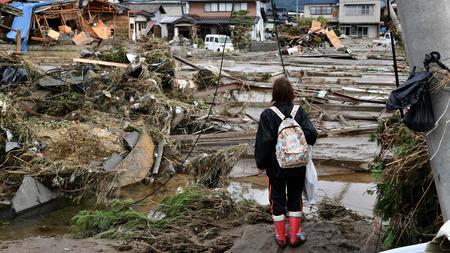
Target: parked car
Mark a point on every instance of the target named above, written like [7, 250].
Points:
[215, 42]
[384, 41]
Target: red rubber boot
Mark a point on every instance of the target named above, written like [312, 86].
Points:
[297, 237]
[280, 230]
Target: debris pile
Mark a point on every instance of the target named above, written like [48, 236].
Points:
[199, 219]
[88, 128]
[212, 170]
[66, 22]
[404, 168]
[204, 215]
[318, 36]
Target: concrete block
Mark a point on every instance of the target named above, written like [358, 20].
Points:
[31, 193]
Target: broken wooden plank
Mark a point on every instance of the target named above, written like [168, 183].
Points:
[87, 28]
[210, 68]
[10, 10]
[65, 29]
[82, 39]
[358, 99]
[103, 31]
[98, 62]
[335, 41]
[216, 138]
[247, 86]
[53, 34]
[159, 155]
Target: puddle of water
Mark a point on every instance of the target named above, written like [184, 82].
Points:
[57, 223]
[349, 189]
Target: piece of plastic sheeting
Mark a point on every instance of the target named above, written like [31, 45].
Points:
[311, 180]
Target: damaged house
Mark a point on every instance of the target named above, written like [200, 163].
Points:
[108, 20]
[213, 17]
[145, 18]
[63, 22]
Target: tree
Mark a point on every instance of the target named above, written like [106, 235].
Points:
[243, 24]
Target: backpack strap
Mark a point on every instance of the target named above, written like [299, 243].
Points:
[277, 112]
[294, 111]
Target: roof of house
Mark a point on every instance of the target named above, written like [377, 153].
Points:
[141, 12]
[168, 20]
[199, 20]
[310, 2]
[148, 7]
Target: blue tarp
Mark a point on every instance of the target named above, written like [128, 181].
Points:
[23, 23]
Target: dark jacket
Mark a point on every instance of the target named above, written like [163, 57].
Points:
[266, 139]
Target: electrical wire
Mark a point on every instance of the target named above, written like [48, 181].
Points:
[204, 122]
[275, 14]
[394, 58]
[215, 96]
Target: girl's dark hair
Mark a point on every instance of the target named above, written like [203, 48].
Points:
[282, 90]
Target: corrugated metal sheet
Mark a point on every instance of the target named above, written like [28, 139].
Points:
[23, 23]
[169, 20]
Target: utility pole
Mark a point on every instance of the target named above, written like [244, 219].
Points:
[425, 29]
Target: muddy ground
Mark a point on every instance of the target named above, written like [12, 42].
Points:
[58, 245]
[323, 237]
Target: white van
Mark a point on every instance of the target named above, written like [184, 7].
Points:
[215, 42]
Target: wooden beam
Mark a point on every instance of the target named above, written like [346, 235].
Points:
[10, 10]
[18, 41]
[98, 62]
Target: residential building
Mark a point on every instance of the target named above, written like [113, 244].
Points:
[140, 23]
[147, 16]
[359, 18]
[328, 9]
[212, 16]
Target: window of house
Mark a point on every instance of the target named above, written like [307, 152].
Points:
[214, 7]
[345, 30]
[242, 7]
[223, 7]
[360, 10]
[207, 7]
[321, 10]
[363, 31]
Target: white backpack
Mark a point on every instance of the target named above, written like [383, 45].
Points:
[291, 149]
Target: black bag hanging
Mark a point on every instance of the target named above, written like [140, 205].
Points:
[410, 92]
[420, 116]
[415, 94]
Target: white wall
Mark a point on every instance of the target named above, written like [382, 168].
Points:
[259, 27]
[369, 19]
[372, 31]
[164, 31]
[331, 18]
